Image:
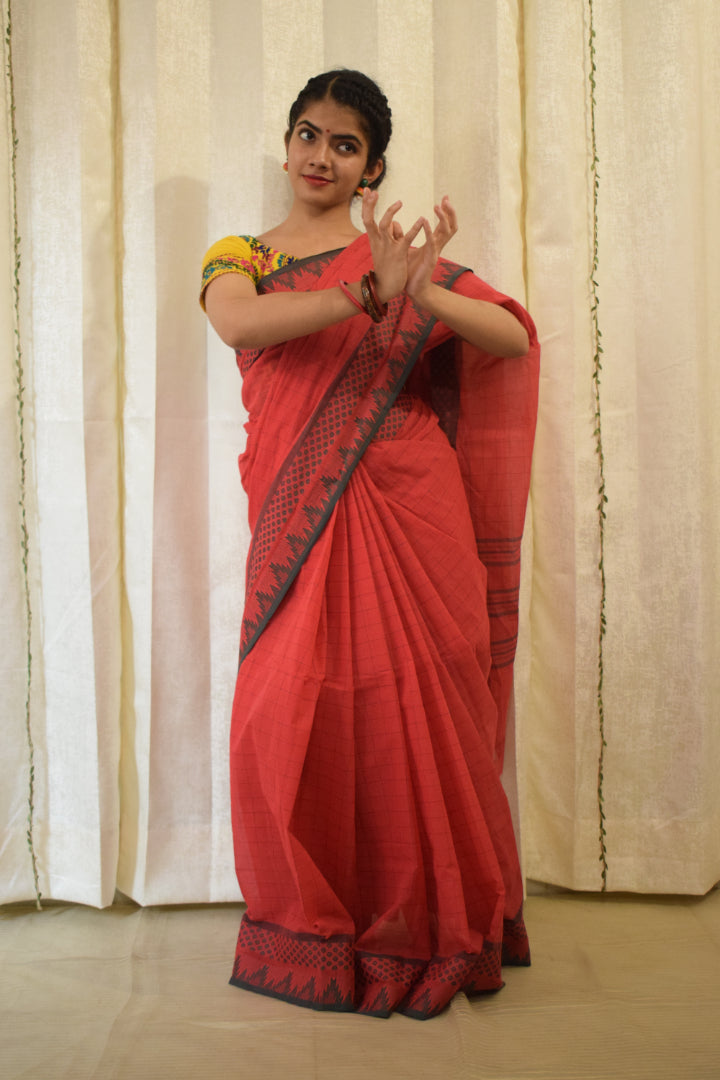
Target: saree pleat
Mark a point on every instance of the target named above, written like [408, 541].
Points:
[374, 843]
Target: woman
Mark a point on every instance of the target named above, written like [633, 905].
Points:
[373, 841]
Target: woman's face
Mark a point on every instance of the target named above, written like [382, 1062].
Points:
[327, 154]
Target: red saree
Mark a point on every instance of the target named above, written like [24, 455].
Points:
[373, 840]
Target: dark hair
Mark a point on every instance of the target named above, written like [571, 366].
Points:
[354, 91]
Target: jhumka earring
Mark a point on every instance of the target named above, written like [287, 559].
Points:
[363, 184]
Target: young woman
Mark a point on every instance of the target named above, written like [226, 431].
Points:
[391, 399]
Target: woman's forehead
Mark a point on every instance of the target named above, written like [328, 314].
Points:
[332, 118]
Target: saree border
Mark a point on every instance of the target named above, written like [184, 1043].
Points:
[330, 974]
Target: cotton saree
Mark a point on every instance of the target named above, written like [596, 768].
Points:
[387, 471]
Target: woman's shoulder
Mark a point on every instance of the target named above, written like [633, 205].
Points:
[240, 255]
[230, 245]
[236, 253]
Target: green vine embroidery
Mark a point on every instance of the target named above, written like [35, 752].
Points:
[597, 433]
[20, 397]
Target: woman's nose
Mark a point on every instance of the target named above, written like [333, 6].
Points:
[321, 154]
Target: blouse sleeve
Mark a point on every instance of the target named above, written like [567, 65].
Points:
[232, 255]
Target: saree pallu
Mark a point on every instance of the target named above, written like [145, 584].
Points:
[373, 840]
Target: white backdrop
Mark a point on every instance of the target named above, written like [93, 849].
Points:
[148, 128]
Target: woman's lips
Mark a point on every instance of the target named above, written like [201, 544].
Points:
[317, 181]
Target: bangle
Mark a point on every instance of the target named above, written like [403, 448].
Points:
[382, 308]
[374, 308]
[343, 286]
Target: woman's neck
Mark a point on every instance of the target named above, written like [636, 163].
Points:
[304, 232]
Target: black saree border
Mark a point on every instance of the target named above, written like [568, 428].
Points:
[313, 499]
[330, 974]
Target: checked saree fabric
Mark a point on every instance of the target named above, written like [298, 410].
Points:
[387, 470]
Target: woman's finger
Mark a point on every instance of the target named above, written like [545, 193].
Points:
[369, 199]
[441, 213]
[421, 223]
[442, 229]
[447, 223]
[386, 220]
[450, 214]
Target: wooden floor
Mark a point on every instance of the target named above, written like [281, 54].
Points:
[620, 987]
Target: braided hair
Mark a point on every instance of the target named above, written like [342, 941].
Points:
[355, 91]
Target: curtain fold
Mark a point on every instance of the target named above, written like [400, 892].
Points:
[147, 129]
[17, 574]
[68, 327]
[656, 100]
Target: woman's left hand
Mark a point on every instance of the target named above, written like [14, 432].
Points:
[423, 260]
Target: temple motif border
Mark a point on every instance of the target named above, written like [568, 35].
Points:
[330, 974]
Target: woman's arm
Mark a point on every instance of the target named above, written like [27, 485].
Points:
[488, 326]
[244, 320]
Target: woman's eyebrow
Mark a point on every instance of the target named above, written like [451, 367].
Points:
[307, 123]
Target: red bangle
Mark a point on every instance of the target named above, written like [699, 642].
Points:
[343, 286]
[382, 308]
[374, 308]
[370, 305]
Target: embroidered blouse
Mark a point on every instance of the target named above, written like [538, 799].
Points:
[241, 255]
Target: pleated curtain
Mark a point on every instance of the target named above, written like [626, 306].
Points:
[580, 143]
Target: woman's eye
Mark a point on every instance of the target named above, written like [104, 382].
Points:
[347, 147]
[306, 135]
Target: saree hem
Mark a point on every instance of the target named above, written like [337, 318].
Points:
[329, 974]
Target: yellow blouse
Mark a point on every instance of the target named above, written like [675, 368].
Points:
[241, 255]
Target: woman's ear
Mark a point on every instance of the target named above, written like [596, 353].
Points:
[375, 171]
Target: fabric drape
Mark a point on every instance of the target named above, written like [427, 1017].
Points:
[146, 130]
[374, 842]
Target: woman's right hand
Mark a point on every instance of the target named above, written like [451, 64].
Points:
[389, 246]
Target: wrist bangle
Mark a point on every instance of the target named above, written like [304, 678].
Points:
[374, 308]
[343, 286]
[372, 282]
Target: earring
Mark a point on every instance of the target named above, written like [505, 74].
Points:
[285, 166]
[363, 184]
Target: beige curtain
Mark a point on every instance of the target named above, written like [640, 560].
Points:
[658, 144]
[148, 128]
